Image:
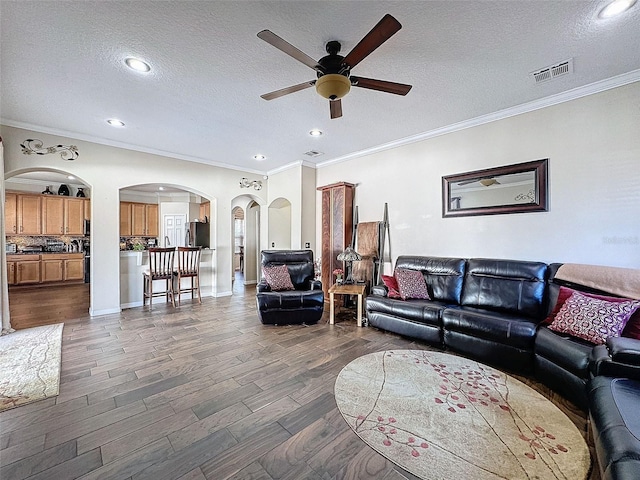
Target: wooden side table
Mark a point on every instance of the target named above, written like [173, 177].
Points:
[351, 289]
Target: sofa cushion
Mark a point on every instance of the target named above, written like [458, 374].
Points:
[421, 311]
[616, 425]
[569, 353]
[411, 284]
[291, 300]
[444, 276]
[593, 319]
[278, 278]
[509, 286]
[516, 331]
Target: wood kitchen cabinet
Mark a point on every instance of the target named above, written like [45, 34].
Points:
[11, 272]
[62, 216]
[29, 213]
[151, 219]
[51, 268]
[87, 209]
[73, 216]
[73, 267]
[138, 219]
[10, 213]
[27, 269]
[125, 219]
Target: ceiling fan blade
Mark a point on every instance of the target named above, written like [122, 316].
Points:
[381, 85]
[379, 34]
[288, 90]
[273, 39]
[336, 108]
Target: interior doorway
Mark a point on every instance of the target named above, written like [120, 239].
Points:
[174, 230]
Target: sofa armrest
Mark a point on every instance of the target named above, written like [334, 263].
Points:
[315, 285]
[624, 350]
[380, 290]
[263, 286]
[619, 357]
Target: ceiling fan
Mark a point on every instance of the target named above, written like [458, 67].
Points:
[485, 182]
[334, 71]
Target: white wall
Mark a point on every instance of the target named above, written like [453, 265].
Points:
[280, 225]
[593, 146]
[106, 170]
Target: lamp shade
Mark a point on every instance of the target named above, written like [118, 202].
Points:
[333, 86]
[349, 255]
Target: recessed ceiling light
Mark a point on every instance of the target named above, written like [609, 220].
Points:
[160, 188]
[615, 8]
[315, 132]
[259, 157]
[114, 122]
[137, 64]
[71, 177]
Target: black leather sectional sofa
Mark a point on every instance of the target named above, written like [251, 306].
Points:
[493, 310]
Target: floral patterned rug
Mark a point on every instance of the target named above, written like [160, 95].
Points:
[441, 416]
[30, 365]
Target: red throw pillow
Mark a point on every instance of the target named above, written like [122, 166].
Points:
[631, 330]
[392, 286]
[278, 277]
[411, 284]
[593, 319]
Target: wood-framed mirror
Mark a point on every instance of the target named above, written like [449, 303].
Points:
[517, 188]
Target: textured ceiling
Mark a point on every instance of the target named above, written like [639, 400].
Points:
[62, 70]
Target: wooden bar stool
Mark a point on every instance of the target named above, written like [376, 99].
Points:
[188, 267]
[160, 268]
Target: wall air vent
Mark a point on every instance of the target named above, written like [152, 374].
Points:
[313, 153]
[552, 71]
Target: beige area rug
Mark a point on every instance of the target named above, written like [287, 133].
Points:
[30, 365]
[440, 416]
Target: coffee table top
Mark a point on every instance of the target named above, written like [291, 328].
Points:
[348, 289]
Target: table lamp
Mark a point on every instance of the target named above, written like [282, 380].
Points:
[349, 256]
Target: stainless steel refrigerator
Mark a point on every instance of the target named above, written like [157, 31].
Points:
[198, 234]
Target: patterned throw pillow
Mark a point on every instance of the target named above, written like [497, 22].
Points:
[631, 330]
[411, 284]
[593, 319]
[392, 286]
[278, 277]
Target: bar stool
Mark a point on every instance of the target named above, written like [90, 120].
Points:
[160, 268]
[188, 267]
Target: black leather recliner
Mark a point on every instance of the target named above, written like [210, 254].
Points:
[305, 304]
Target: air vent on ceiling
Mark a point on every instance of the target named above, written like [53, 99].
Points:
[552, 71]
[313, 153]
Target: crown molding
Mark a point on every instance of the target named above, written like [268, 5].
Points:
[567, 96]
[124, 145]
[298, 163]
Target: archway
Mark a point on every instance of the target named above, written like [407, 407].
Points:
[50, 235]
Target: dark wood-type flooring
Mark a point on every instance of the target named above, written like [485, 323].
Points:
[201, 392]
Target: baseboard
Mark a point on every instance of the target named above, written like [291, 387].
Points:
[251, 282]
[130, 305]
[107, 311]
[223, 294]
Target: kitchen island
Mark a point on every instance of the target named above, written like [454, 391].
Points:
[133, 263]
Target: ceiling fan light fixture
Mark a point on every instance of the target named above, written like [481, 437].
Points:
[616, 7]
[333, 86]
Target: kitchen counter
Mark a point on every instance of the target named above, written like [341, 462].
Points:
[133, 263]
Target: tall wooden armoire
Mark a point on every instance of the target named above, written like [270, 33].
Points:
[337, 227]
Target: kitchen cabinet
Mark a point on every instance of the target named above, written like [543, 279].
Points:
[73, 267]
[45, 268]
[51, 268]
[87, 209]
[73, 216]
[27, 269]
[29, 213]
[52, 215]
[138, 219]
[62, 216]
[10, 213]
[11, 272]
[125, 219]
[151, 219]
